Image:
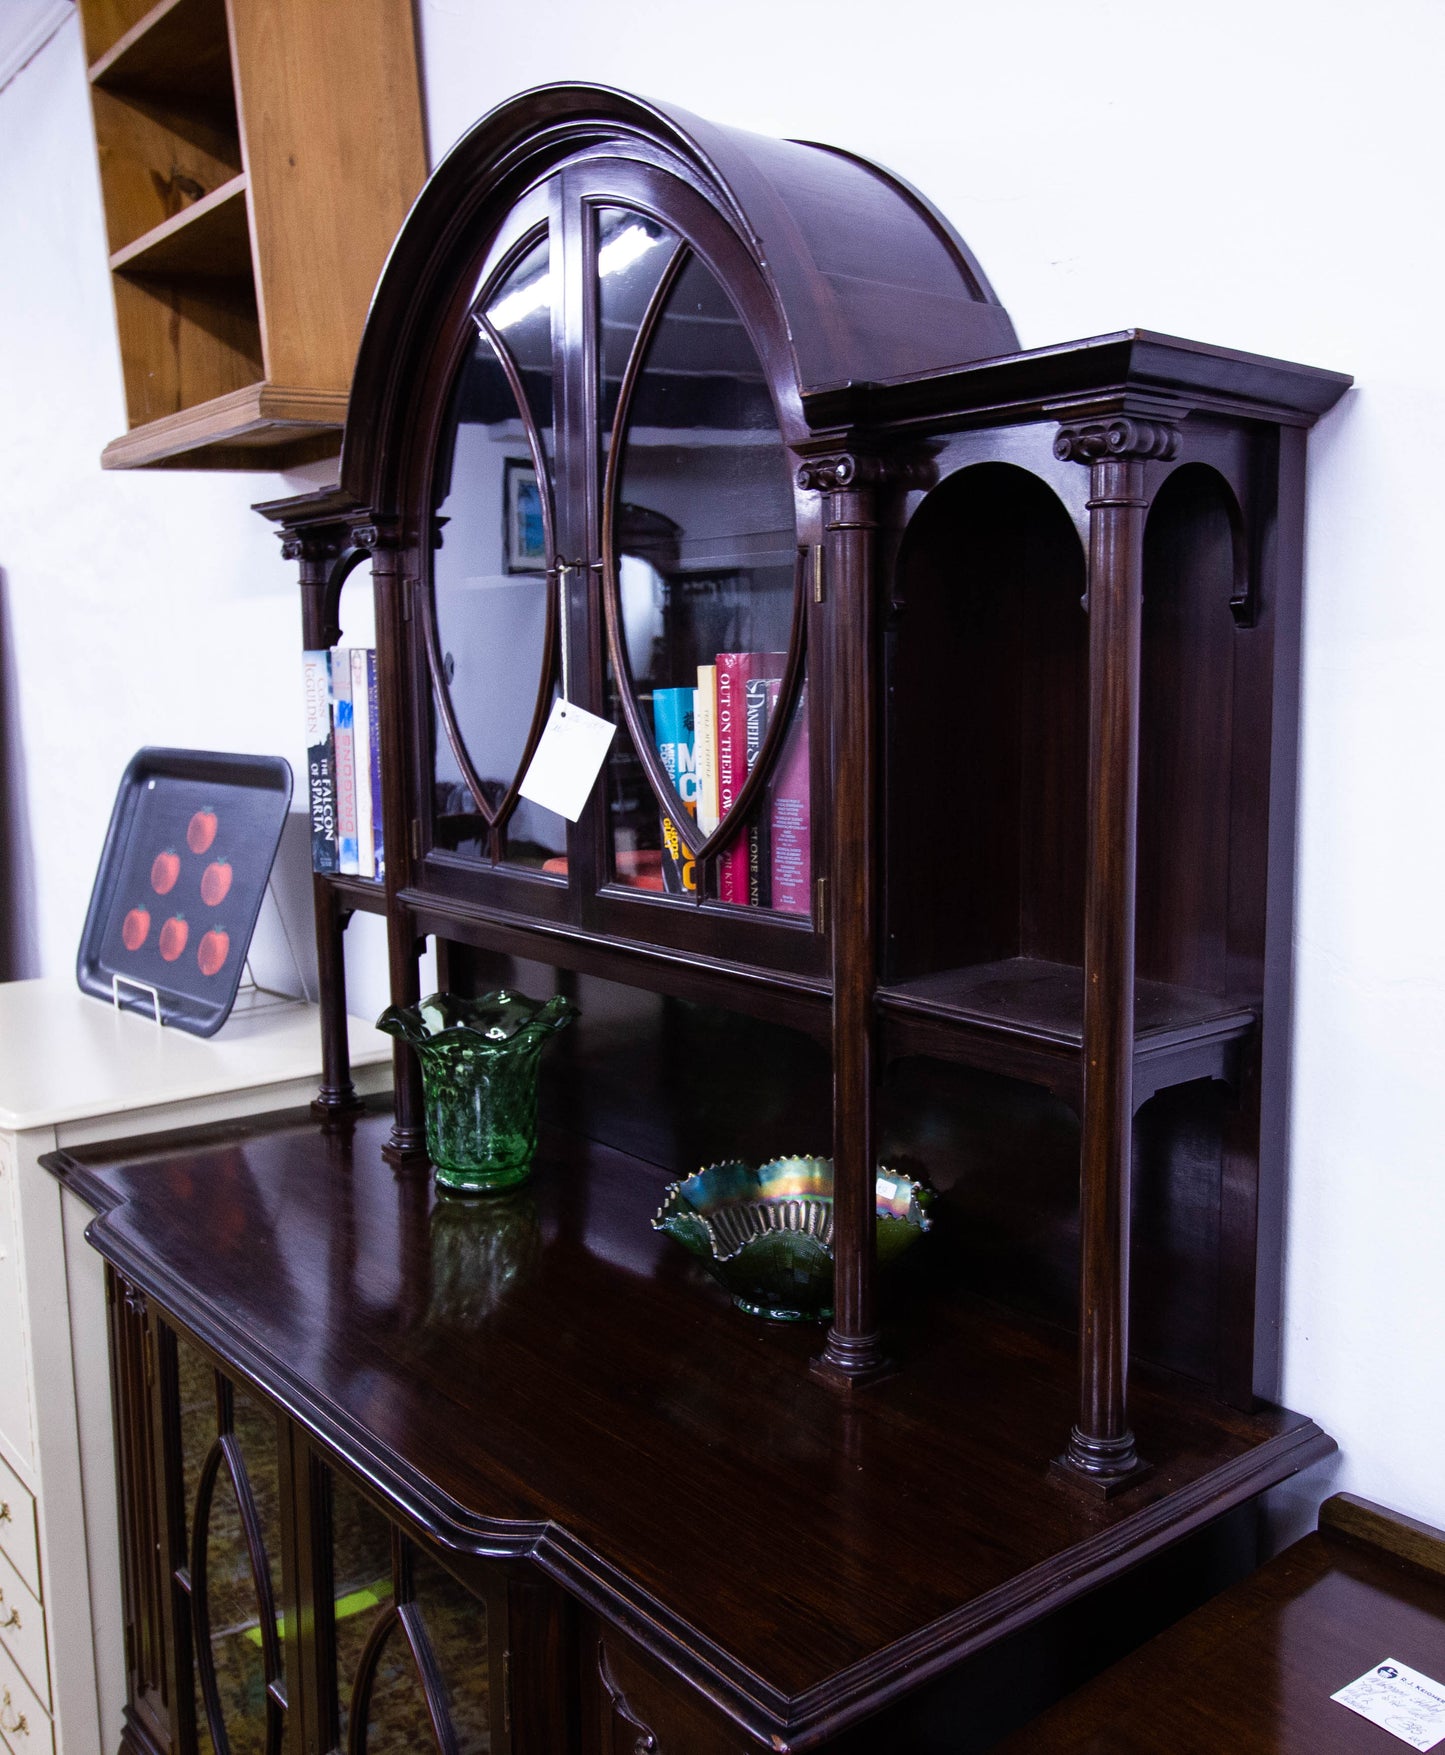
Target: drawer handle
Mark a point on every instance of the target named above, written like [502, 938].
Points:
[10, 1720]
[4, 1511]
[11, 1620]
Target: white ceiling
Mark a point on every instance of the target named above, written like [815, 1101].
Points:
[25, 27]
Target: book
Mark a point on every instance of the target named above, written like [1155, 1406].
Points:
[760, 695]
[672, 728]
[704, 719]
[790, 822]
[374, 712]
[320, 757]
[361, 746]
[347, 860]
[734, 672]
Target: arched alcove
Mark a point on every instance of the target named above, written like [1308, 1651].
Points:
[1187, 706]
[987, 729]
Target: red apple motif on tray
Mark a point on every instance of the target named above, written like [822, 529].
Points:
[216, 882]
[201, 831]
[135, 928]
[174, 934]
[213, 950]
[165, 869]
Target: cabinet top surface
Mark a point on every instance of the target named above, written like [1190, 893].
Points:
[543, 1375]
[1254, 1670]
[68, 1057]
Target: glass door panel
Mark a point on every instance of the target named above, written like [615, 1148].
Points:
[395, 1717]
[703, 568]
[412, 1644]
[233, 1612]
[456, 1628]
[361, 1594]
[634, 252]
[491, 635]
[230, 1482]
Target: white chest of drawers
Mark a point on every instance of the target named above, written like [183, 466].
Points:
[73, 1071]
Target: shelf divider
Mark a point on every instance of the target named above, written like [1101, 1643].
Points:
[210, 239]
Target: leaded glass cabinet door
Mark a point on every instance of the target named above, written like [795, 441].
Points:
[704, 579]
[489, 607]
[611, 515]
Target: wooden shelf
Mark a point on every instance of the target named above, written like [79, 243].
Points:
[178, 49]
[1316, 1618]
[260, 426]
[906, 1528]
[1025, 1017]
[797, 1001]
[210, 239]
[249, 204]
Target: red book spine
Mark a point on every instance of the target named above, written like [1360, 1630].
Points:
[732, 862]
[790, 821]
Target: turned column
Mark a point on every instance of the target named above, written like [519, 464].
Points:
[853, 1352]
[391, 585]
[1101, 1450]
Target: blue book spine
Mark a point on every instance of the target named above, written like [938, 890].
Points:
[349, 853]
[374, 709]
[672, 724]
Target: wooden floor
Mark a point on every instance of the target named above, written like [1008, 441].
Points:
[545, 1375]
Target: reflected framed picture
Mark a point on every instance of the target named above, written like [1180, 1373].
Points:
[526, 539]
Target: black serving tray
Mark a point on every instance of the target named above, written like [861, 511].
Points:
[182, 876]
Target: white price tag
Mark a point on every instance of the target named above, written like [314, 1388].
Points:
[1401, 1701]
[568, 758]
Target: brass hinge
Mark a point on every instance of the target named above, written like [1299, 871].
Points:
[820, 904]
[818, 572]
[507, 1692]
[416, 838]
[150, 1355]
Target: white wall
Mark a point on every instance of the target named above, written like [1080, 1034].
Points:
[1263, 176]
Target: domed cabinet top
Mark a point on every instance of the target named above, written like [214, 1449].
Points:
[859, 278]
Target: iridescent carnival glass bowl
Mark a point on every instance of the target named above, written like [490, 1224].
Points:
[479, 1080]
[766, 1234]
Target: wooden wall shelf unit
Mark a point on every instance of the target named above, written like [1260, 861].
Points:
[1022, 646]
[242, 256]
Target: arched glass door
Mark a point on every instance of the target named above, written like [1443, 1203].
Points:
[702, 579]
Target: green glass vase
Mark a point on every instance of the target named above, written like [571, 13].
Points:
[479, 1076]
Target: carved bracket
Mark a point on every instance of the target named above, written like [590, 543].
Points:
[1120, 438]
[647, 1743]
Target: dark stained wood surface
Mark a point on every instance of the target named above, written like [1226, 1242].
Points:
[1031, 383]
[1253, 1671]
[548, 1377]
[1044, 1002]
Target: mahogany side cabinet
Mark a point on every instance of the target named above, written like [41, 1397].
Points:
[979, 863]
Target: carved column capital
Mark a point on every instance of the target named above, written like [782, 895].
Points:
[845, 469]
[319, 545]
[376, 535]
[1121, 438]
